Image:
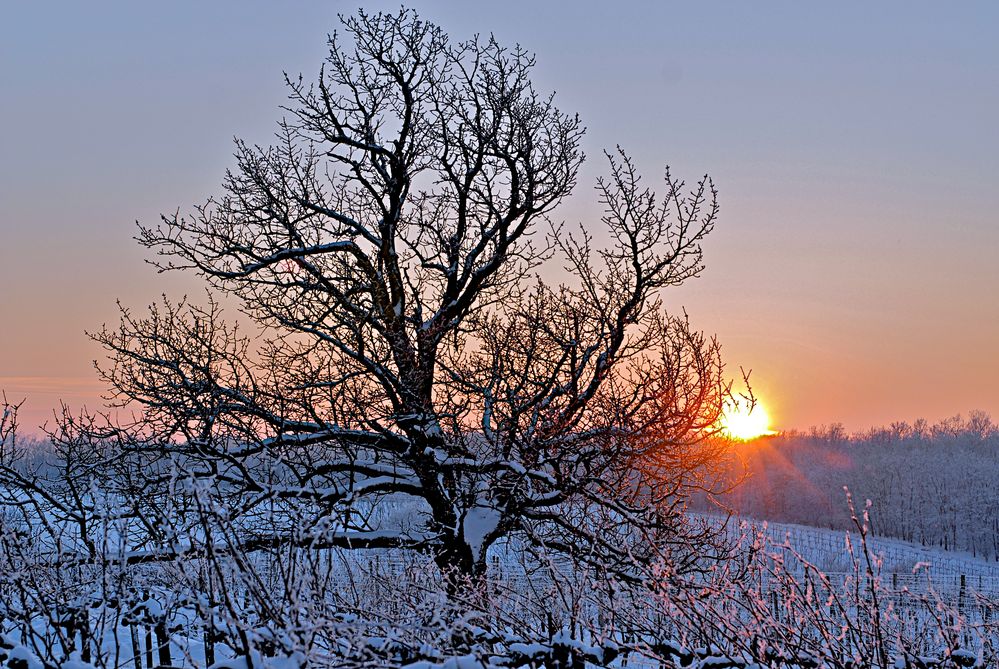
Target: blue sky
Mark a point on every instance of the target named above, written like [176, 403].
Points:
[854, 146]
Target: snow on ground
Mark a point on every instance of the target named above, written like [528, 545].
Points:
[826, 549]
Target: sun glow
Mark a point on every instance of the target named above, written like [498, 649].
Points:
[745, 423]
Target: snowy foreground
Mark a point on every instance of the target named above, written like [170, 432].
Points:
[791, 592]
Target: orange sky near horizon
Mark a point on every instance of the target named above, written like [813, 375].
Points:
[853, 268]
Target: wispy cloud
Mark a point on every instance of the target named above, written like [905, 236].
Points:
[42, 397]
[48, 385]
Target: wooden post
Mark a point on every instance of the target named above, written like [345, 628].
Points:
[163, 640]
[210, 620]
[136, 650]
[84, 621]
[149, 646]
[209, 642]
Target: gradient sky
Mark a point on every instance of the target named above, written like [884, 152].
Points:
[855, 267]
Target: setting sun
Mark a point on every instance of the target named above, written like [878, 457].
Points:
[743, 423]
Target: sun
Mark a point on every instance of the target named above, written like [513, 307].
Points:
[741, 422]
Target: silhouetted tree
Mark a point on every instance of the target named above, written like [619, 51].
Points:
[388, 248]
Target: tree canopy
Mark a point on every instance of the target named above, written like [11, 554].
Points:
[389, 251]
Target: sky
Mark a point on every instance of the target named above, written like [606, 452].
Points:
[854, 267]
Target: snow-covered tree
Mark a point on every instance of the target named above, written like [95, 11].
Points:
[404, 351]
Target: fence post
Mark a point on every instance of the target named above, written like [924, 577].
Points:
[961, 593]
[84, 616]
[163, 641]
[149, 645]
[209, 641]
[136, 649]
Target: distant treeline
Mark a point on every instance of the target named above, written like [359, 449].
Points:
[931, 484]
[934, 484]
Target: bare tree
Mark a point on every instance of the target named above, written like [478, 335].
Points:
[388, 250]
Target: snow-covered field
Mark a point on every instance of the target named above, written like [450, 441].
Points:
[904, 561]
[924, 586]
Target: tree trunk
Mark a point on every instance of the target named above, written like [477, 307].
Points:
[462, 572]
